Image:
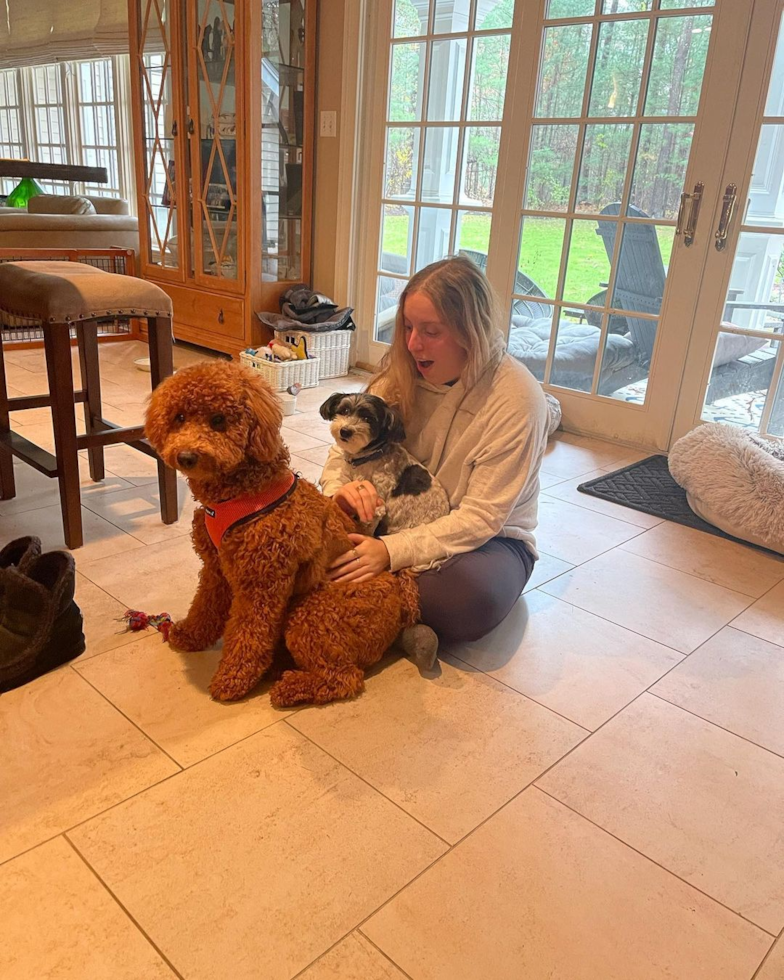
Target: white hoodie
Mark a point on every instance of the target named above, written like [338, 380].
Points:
[485, 447]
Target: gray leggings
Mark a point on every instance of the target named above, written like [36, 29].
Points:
[470, 594]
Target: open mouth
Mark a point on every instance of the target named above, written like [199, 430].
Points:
[424, 365]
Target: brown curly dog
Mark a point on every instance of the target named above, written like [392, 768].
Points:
[263, 578]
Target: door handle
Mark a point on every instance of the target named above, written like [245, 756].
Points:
[727, 214]
[694, 213]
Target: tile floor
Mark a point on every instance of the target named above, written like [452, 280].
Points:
[593, 792]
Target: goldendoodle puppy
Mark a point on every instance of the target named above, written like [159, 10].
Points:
[266, 540]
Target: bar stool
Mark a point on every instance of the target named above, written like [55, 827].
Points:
[62, 295]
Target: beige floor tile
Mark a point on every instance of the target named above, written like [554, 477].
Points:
[65, 755]
[736, 681]
[166, 694]
[581, 666]
[353, 959]
[34, 490]
[548, 480]
[570, 455]
[161, 577]
[765, 618]
[103, 628]
[567, 490]
[134, 467]
[297, 441]
[663, 604]
[317, 455]
[138, 512]
[546, 569]
[540, 893]
[717, 560]
[273, 850]
[101, 538]
[305, 421]
[773, 968]
[576, 535]
[307, 468]
[450, 750]
[694, 798]
[57, 920]
[627, 460]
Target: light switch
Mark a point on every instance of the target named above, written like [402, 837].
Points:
[329, 123]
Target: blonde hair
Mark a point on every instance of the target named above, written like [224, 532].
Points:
[465, 303]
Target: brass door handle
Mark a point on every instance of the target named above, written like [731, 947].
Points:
[694, 213]
[727, 214]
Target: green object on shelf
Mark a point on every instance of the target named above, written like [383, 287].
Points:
[21, 194]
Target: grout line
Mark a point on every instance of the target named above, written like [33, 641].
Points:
[715, 724]
[385, 955]
[651, 860]
[125, 716]
[124, 908]
[374, 789]
[599, 513]
[767, 955]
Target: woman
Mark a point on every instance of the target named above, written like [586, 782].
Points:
[477, 419]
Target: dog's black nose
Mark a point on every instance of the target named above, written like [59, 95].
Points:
[187, 460]
[346, 433]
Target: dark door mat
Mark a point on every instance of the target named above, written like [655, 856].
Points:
[648, 486]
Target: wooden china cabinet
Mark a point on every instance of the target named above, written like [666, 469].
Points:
[223, 110]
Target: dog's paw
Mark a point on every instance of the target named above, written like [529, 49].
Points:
[295, 687]
[229, 687]
[187, 640]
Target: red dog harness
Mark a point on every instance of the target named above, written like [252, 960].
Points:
[221, 518]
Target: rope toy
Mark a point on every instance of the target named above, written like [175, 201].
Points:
[136, 621]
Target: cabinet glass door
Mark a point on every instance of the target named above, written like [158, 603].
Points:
[283, 125]
[215, 144]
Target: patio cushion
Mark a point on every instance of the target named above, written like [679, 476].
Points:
[575, 349]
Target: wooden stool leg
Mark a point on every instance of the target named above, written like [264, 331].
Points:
[162, 366]
[7, 482]
[87, 334]
[57, 344]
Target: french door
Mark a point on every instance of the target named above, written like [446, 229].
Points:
[575, 149]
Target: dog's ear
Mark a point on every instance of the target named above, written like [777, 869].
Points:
[157, 420]
[393, 424]
[330, 406]
[266, 418]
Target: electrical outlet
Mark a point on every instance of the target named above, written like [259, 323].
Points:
[329, 123]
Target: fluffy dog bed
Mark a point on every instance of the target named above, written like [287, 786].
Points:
[734, 480]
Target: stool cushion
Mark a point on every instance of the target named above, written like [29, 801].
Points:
[63, 292]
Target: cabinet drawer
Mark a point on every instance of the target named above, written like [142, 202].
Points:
[209, 313]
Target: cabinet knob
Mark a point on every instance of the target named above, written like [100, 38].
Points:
[220, 317]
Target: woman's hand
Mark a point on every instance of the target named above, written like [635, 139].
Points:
[368, 558]
[358, 498]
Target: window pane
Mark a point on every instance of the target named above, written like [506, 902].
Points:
[396, 234]
[405, 92]
[626, 359]
[402, 162]
[494, 14]
[679, 4]
[541, 244]
[588, 265]
[775, 425]
[766, 194]
[550, 167]
[639, 280]
[472, 236]
[662, 158]
[440, 164]
[530, 329]
[433, 236]
[603, 166]
[480, 165]
[410, 18]
[678, 65]
[387, 296]
[447, 71]
[488, 78]
[569, 8]
[451, 16]
[576, 350]
[618, 71]
[775, 104]
[625, 6]
[755, 298]
[740, 379]
[562, 71]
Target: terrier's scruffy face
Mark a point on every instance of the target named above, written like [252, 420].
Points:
[361, 422]
[208, 420]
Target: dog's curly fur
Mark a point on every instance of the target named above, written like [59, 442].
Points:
[219, 424]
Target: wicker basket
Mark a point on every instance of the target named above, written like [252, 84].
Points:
[332, 348]
[282, 374]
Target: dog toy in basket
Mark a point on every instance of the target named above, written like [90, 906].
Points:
[137, 622]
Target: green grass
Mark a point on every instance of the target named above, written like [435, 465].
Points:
[541, 250]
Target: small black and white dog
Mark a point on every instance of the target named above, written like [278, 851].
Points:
[369, 434]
